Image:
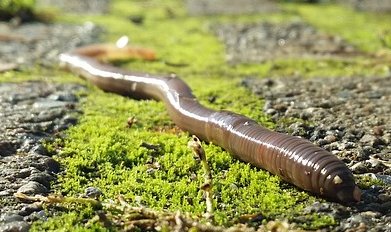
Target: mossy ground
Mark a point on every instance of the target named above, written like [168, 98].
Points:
[101, 151]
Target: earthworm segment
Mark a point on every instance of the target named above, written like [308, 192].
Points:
[294, 159]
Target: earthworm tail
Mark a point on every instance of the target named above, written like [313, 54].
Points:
[294, 159]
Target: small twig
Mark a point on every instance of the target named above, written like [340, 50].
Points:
[122, 215]
[131, 121]
[52, 199]
[179, 222]
[199, 153]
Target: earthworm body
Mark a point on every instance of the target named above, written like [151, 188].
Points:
[294, 159]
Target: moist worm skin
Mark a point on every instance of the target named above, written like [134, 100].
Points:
[294, 159]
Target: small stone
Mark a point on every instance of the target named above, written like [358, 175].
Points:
[270, 111]
[32, 187]
[280, 107]
[375, 165]
[5, 193]
[370, 140]
[47, 104]
[386, 207]
[370, 214]
[39, 149]
[359, 168]
[330, 138]
[355, 219]
[325, 104]
[387, 138]
[17, 226]
[52, 165]
[23, 173]
[70, 120]
[39, 215]
[349, 145]
[7, 148]
[368, 150]
[92, 192]
[63, 96]
[29, 209]
[42, 178]
[322, 142]
[11, 218]
[378, 130]
[384, 197]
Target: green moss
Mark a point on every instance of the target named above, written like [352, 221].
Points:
[69, 222]
[364, 30]
[318, 221]
[366, 181]
[13, 7]
[111, 157]
[38, 73]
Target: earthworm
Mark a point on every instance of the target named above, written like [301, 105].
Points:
[294, 159]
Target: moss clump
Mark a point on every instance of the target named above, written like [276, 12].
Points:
[361, 29]
[38, 73]
[22, 9]
[112, 157]
[366, 181]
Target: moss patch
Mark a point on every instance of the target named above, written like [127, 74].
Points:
[112, 157]
[16, 8]
[365, 30]
[39, 74]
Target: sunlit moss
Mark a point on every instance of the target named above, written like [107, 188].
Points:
[13, 7]
[364, 30]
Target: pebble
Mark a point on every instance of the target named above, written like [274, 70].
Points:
[5, 193]
[33, 187]
[92, 192]
[29, 209]
[330, 138]
[17, 226]
[37, 215]
[42, 178]
[11, 218]
[359, 168]
[52, 165]
[370, 140]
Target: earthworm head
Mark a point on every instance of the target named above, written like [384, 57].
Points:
[343, 188]
[348, 195]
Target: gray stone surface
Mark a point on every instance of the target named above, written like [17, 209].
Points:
[38, 43]
[77, 6]
[349, 117]
[247, 43]
[31, 113]
[369, 5]
[231, 7]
